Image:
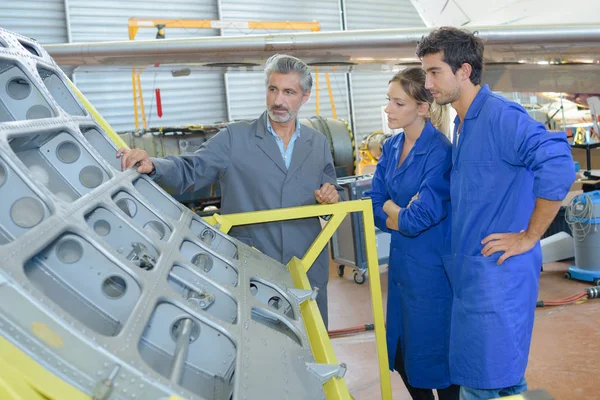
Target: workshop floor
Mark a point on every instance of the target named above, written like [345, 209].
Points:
[565, 349]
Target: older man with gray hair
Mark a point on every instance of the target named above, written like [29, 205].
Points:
[272, 162]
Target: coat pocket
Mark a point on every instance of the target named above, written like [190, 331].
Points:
[481, 285]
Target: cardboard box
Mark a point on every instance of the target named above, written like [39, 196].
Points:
[579, 155]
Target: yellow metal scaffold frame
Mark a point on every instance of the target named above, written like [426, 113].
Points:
[134, 24]
[317, 333]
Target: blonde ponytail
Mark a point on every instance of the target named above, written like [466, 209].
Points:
[440, 117]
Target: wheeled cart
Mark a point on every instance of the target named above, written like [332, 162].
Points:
[348, 243]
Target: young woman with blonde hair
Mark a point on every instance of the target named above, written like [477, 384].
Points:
[411, 200]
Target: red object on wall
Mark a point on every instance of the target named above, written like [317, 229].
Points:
[158, 103]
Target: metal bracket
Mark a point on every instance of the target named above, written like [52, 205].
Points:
[139, 256]
[302, 295]
[327, 371]
[202, 299]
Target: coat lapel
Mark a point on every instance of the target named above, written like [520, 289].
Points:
[302, 149]
[267, 144]
[472, 113]
[420, 148]
[407, 161]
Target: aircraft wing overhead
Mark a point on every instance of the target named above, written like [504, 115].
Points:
[537, 56]
[505, 44]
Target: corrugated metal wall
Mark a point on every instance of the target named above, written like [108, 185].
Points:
[247, 90]
[369, 93]
[93, 20]
[197, 98]
[43, 20]
[369, 89]
[381, 14]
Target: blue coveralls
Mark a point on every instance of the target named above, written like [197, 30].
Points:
[419, 296]
[502, 161]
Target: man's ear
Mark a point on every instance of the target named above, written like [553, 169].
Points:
[466, 69]
[305, 96]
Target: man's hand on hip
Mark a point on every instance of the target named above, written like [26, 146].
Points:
[327, 194]
[131, 157]
[511, 244]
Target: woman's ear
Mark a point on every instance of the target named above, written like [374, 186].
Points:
[423, 109]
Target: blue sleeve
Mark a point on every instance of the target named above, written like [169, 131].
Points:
[524, 141]
[378, 193]
[434, 193]
[181, 174]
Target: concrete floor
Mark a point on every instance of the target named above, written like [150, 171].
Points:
[564, 350]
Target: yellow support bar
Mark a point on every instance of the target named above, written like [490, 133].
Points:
[22, 378]
[333, 111]
[321, 241]
[114, 136]
[285, 214]
[318, 98]
[136, 23]
[317, 103]
[320, 345]
[135, 97]
[223, 223]
[138, 82]
[377, 302]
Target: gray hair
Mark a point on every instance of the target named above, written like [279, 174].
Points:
[285, 64]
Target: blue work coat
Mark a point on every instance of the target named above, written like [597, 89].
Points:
[419, 295]
[502, 160]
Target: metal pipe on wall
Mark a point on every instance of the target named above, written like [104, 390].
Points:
[225, 77]
[348, 77]
[68, 21]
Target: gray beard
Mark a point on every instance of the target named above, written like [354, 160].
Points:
[290, 115]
